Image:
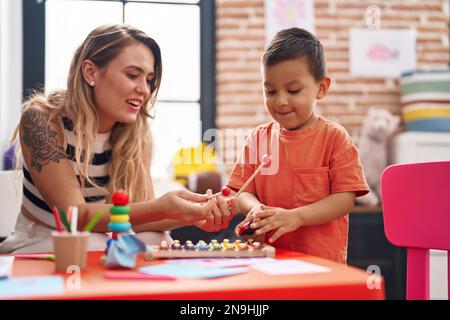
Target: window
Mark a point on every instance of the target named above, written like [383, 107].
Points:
[10, 71]
[183, 29]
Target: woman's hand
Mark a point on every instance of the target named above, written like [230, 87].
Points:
[184, 206]
[213, 221]
[279, 219]
[223, 211]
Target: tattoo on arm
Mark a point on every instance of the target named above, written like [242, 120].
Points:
[40, 139]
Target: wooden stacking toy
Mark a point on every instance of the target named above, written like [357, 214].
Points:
[120, 216]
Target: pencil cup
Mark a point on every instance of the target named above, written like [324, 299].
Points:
[70, 249]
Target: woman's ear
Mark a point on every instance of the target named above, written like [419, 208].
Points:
[90, 72]
[324, 85]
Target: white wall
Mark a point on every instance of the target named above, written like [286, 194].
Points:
[10, 69]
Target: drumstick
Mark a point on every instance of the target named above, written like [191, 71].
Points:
[265, 161]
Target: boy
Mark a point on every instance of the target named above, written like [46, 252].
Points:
[303, 204]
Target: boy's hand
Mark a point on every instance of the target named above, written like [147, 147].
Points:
[250, 217]
[279, 219]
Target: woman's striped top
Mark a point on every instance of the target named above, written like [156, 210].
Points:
[98, 172]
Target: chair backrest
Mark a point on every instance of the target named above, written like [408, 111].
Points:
[10, 200]
[9, 158]
[416, 215]
[202, 181]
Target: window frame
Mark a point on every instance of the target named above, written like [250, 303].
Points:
[34, 53]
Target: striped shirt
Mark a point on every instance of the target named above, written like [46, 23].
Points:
[33, 201]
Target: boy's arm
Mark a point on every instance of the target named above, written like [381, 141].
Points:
[246, 202]
[320, 212]
[325, 210]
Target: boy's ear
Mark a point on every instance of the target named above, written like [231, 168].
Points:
[324, 85]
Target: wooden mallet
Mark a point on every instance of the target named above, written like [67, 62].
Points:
[225, 191]
[265, 161]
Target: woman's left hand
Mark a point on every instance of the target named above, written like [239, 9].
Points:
[273, 218]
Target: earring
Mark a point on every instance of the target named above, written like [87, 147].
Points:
[92, 83]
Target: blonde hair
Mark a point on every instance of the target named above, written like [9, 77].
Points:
[126, 168]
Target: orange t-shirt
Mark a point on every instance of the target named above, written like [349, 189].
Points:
[307, 166]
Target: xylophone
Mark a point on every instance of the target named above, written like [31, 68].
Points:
[214, 249]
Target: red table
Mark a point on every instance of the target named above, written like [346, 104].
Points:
[342, 282]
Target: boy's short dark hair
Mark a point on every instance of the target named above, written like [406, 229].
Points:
[296, 43]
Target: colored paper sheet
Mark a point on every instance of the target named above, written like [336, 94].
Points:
[133, 275]
[6, 265]
[280, 267]
[31, 286]
[191, 271]
[222, 262]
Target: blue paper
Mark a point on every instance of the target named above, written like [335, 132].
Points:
[6, 266]
[189, 271]
[31, 286]
[122, 251]
[132, 244]
[117, 257]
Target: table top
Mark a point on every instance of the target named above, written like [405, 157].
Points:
[342, 282]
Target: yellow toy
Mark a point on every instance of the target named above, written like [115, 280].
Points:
[193, 160]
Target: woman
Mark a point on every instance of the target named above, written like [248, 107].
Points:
[81, 144]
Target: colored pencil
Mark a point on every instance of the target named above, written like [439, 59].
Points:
[94, 221]
[69, 214]
[64, 219]
[74, 221]
[59, 226]
[36, 256]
